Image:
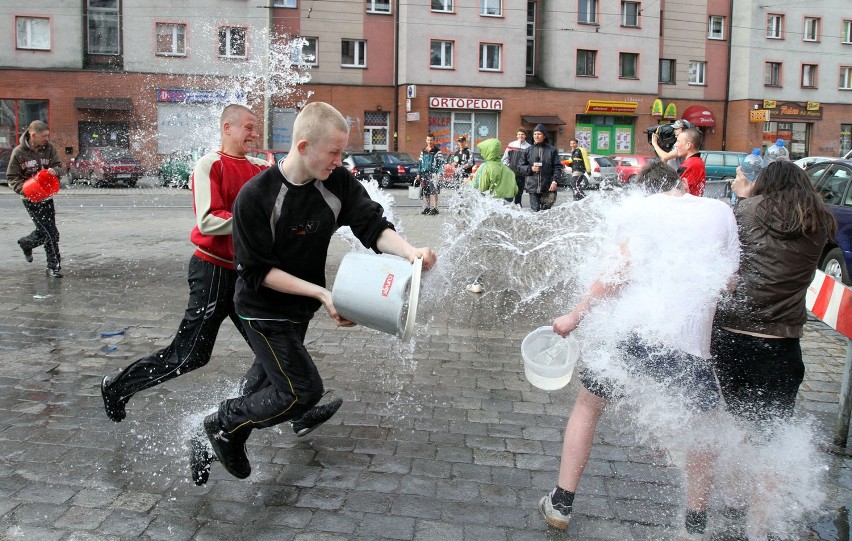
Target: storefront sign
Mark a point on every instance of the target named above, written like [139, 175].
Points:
[813, 106]
[671, 112]
[758, 115]
[466, 103]
[179, 95]
[657, 108]
[412, 117]
[597, 107]
[769, 104]
[796, 111]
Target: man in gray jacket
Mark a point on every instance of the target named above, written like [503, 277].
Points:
[34, 153]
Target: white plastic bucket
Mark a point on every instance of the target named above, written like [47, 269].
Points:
[378, 291]
[549, 359]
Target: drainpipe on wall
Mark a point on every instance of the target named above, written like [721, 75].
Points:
[728, 76]
[395, 134]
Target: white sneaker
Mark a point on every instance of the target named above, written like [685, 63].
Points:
[557, 515]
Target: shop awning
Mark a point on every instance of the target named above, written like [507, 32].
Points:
[105, 104]
[700, 116]
[601, 107]
[543, 120]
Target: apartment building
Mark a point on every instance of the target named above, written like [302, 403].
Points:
[152, 76]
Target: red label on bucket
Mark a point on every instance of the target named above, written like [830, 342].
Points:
[387, 286]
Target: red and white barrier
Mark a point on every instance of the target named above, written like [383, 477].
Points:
[830, 301]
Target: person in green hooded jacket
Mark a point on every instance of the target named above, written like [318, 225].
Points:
[492, 176]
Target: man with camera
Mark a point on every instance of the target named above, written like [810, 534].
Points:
[691, 170]
[663, 139]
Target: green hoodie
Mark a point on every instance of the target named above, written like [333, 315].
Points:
[492, 176]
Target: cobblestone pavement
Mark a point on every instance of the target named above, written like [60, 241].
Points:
[440, 440]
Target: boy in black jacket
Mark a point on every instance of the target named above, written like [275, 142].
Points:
[283, 222]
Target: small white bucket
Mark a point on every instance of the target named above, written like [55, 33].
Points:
[378, 291]
[414, 192]
[549, 359]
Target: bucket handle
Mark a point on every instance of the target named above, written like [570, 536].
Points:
[413, 298]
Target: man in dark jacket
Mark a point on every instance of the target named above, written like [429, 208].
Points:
[542, 167]
[34, 153]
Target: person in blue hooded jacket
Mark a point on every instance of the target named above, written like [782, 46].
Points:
[492, 176]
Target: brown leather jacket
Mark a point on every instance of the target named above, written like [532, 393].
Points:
[776, 269]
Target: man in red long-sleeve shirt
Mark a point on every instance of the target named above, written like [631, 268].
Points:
[691, 170]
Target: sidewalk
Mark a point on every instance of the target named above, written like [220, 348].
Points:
[443, 440]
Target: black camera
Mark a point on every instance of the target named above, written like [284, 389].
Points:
[666, 133]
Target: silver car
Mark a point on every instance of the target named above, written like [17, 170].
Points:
[603, 174]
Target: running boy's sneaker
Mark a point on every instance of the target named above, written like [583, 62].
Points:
[230, 451]
[112, 404]
[52, 273]
[558, 516]
[28, 252]
[315, 417]
[199, 461]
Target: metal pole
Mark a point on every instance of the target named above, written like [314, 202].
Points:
[841, 425]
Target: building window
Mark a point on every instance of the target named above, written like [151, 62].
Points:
[809, 75]
[285, 4]
[772, 74]
[774, 26]
[846, 32]
[307, 55]
[33, 33]
[103, 31]
[489, 56]
[16, 115]
[353, 53]
[845, 138]
[811, 30]
[171, 39]
[697, 72]
[232, 42]
[531, 13]
[441, 54]
[587, 11]
[845, 78]
[628, 64]
[445, 6]
[667, 71]
[492, 8]
[586, 63]
[378, 6]
[630, 14]
[716, 27]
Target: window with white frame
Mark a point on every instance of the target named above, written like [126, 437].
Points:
[492, 8]
[667, 71]
[378, 6]
[628, 65]
[774, 26]
[353, 53]
[232, 42]
[809, 75]
[811, 30]
[630, 14]
[586, 62]
[716, 27]
[442, 5]
[441, 54]
[489, 56]
[285, 4]
[845, 78]
[32, 33]
[846, 31]
[171, 39]
[307, 55]
[587, 11]
[697, 72]
[103, 34]
[772, 74]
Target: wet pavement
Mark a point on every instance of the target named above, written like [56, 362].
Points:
[442, 440]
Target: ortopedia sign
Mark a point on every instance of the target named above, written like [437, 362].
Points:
[466, 103]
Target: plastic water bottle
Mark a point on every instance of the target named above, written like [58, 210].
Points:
[777, 152]
[752, 164]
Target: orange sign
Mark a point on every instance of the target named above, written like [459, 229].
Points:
[758, 115]
[611, 107]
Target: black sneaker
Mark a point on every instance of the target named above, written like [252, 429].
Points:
[434, 211]
[558, 515]
[199, 461]
[315, 417]
[28, 252]
[230, 452]
[113, 404]
[427, 210]
[52, 273]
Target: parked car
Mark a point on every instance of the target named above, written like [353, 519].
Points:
[627, 166]
[363, 165]
[721, 165]
[602, 173]
[396, 168]
[271, 156]
[833, 179]
[5, 154]
[804, 163]
[102, 166]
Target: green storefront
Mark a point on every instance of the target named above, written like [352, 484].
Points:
[607, 127]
